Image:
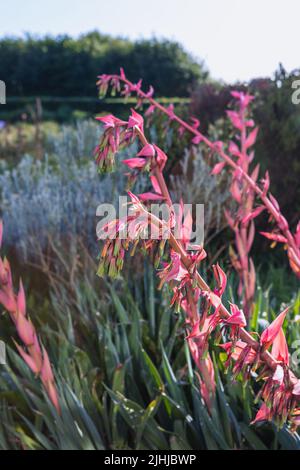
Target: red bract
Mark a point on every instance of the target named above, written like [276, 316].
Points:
[161, 157]
[134, 163]
[280, 349]
[221, 280]
[237, 317]
[136, 120]
[269, 334]
[263, 414]
[274, 237]
[111, 121]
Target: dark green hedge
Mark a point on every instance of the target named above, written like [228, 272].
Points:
[63, 66]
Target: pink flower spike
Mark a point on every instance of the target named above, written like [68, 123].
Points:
[147, 151]
[21, 300]
[135, 163]
[136, 120]
[269, 335]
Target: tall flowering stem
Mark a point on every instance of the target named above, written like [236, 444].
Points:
[205, 312]
[241, 221]
[33, 353]
[281, 233]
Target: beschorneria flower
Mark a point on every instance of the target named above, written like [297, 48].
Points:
[203, 307]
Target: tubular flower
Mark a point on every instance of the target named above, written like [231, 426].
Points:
[269, 335]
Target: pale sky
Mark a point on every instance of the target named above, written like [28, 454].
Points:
[237, 39]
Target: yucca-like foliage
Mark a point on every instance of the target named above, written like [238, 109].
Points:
[126, 380]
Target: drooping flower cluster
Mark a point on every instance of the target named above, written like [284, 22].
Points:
[112, 140]
[34, 354]
[205, 313]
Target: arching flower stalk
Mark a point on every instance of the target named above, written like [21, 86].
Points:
[235, 160]
[34, 354]
[206, 316]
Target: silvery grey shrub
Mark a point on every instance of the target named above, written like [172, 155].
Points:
[58, 196]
